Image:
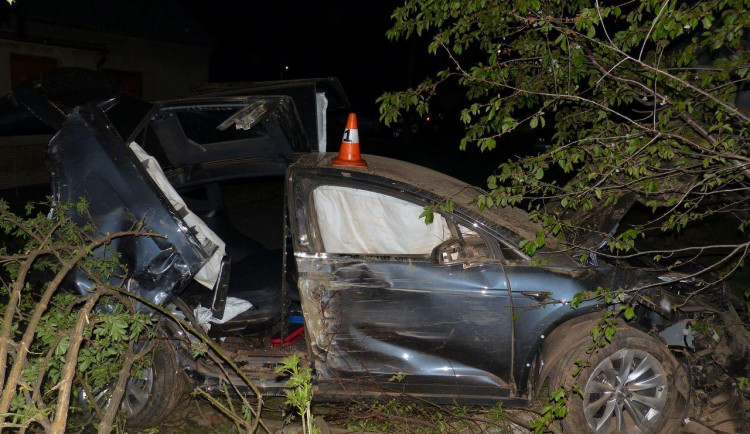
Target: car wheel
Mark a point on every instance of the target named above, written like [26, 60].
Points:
[630, 386]
[150, 397]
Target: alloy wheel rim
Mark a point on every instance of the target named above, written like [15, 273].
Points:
[627, 392]
[138, 391]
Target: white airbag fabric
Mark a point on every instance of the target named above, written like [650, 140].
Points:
[234, 307]
[209, 273]
[354, 221]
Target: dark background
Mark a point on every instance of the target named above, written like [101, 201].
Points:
[346, 39]
[292, 39]
[257, 41]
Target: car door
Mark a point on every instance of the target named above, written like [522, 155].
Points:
[89, 160]
[379, 309]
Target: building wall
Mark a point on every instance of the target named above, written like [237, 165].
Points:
[155, 69]
[64, 56]
[167, 70]
[22, 161]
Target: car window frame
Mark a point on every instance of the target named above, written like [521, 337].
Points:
[491, 242]
[308, 182]
[314, 226]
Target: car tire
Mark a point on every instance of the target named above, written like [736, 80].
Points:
[150, 399]
[633, 384]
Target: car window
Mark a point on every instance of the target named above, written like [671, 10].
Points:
[356, 221]
[200, 126]
[474, 242]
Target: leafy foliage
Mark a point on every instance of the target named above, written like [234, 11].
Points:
[640, 97]
[638, 101]
[55, 342]
[556, 408]
[299, 393]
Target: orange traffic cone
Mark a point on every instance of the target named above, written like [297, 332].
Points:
[349, 151]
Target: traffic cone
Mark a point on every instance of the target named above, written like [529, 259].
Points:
[349, 152]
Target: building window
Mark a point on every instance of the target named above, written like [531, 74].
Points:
[131, 81]
[24, 67]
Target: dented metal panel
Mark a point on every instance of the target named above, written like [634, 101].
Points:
[89, 160]
[370, 318]
[541, 302]
[375, 318]
[471, 329]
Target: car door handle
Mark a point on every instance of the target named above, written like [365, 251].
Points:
[536, 295]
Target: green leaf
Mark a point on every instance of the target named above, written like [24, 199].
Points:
[629, 313]
[609, 332]
[428, 215]
[63, 346]
[539, 174]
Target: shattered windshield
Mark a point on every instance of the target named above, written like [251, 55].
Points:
[201, 126]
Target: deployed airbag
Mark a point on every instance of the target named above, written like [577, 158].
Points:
[355, 221]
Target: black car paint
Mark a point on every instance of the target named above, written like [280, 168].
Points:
[90, 161]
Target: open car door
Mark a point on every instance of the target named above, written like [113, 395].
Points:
[90, 160]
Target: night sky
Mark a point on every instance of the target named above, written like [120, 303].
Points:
[257, 41]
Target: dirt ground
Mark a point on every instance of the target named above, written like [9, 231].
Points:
[717, 412]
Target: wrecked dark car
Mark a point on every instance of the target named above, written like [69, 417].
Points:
[267, 236]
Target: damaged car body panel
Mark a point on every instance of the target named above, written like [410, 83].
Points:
[89, 160]
[471, 328]
[474, 328]
[371, 315]
[376, 318]
[453, 310]
[193, 140]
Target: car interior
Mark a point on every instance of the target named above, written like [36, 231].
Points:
[248, 215]
[238, 193]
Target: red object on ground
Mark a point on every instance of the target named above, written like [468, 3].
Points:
[292, 338]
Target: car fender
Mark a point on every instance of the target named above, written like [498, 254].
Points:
[564, 337]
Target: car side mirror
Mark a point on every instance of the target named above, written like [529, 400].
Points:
[450, 252]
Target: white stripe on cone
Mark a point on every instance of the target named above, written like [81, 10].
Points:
[351, 136]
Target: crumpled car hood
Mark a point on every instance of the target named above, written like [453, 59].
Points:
[594, 225]
[88, 159]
